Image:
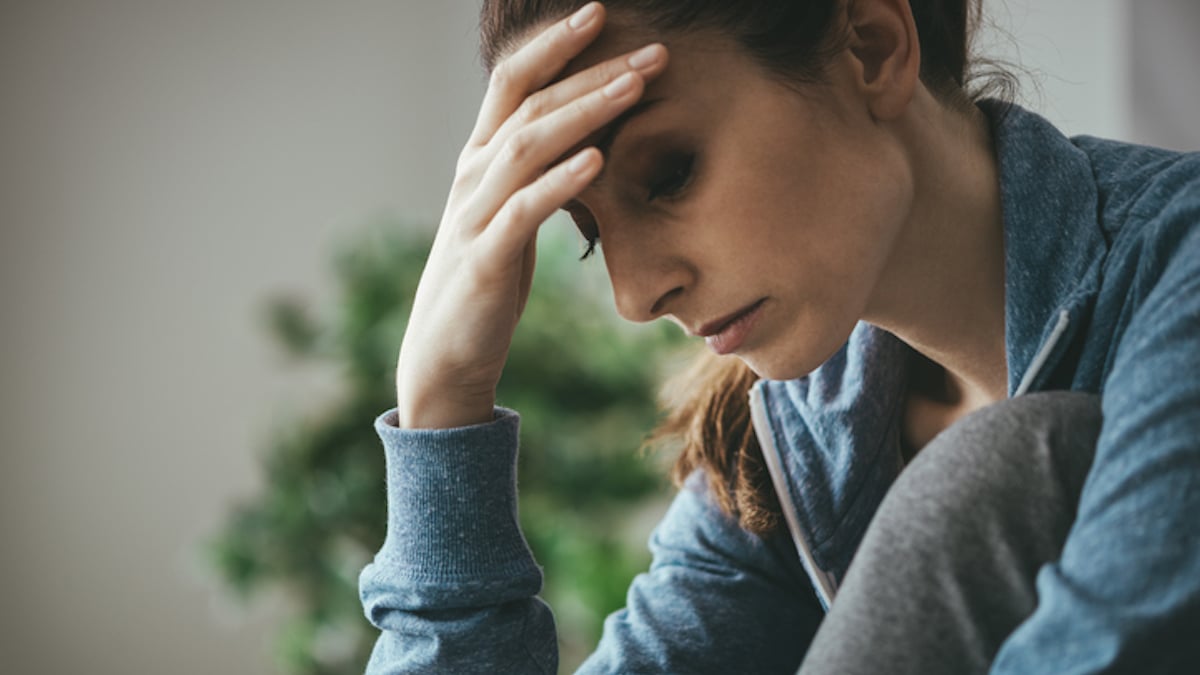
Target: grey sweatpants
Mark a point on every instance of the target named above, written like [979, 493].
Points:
[947, 567]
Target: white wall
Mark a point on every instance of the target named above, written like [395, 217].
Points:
[1072, 57]
[166, 166]
[1113, 68]
[1164, 97]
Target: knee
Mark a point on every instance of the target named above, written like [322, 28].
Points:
[1039, 445]
[1050, 415]
[1046, 431]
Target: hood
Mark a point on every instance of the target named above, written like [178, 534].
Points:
[837, 432]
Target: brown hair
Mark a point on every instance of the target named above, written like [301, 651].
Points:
[708, 419]
[708, 412]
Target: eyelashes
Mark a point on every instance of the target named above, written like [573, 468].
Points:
[586, 225]
[671, 177]
[590, 250]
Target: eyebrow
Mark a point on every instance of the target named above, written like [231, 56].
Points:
[614, 128]
[609, 135]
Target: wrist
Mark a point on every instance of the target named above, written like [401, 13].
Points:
[442, 412]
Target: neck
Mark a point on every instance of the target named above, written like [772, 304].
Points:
[942, 289]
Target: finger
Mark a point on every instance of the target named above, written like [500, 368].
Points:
[528, 264]
[527, 153]
[533, 65]
[519, 219]
[649, 62]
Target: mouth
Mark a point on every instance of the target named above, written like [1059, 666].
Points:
[727, 333]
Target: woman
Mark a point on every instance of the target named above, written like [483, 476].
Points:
[914, 279]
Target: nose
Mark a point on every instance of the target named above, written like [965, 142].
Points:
[646, 284]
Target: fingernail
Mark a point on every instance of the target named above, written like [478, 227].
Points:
[620, 86]
[580, 162]
[645, 57]
[583, 17]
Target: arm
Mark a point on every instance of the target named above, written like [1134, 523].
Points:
[717, 599]
[454, 572]
[453, 588]
[1125, 595]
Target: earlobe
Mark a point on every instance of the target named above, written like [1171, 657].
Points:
[884, 45]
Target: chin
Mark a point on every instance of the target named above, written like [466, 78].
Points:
[775, 369]
[779, 364]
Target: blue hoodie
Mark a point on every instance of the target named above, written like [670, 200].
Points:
[1102, 295]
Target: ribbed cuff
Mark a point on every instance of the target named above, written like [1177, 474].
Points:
[452, 506]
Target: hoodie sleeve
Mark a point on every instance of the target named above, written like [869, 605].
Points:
[716, 599]
[453, 588]
[1124, 597]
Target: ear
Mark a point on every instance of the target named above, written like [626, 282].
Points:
[886, 54]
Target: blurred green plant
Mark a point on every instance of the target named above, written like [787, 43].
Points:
[585, 384]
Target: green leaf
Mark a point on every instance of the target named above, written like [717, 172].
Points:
[584, 383]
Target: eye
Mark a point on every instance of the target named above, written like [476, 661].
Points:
[586, 225]
[672, 176]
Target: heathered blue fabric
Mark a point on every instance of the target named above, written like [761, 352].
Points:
[1107, 232]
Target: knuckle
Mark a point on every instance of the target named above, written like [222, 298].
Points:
[604, 73]
[532, 108]
[518, 148]
[502, 75]
[561, 38]
[466, 175]
[464, 181]
[583, 107]
[515, 211]
[609, 71]
[452, 222]
[465, 161]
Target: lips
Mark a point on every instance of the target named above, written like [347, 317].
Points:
[727, 333]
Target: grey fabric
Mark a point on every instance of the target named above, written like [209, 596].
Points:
[947, 568]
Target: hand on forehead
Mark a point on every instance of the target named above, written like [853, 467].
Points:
[618, 36]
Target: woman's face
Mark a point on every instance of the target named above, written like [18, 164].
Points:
[728, 194]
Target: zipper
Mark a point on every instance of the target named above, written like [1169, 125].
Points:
[1043, 355]
[822, 581]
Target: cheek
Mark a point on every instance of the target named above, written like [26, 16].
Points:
[849, 207]
[826, 224]
[818, 235]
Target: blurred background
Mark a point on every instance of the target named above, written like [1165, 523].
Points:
[178, 181]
